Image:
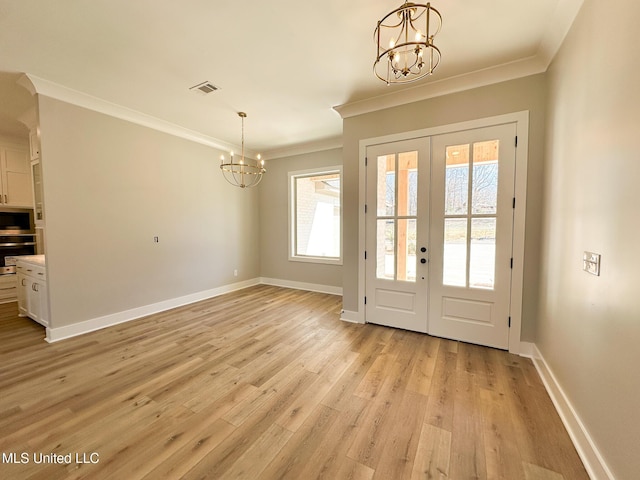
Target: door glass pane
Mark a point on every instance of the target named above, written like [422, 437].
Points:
[386, 201]
[457, 180]
[455, 252]
[408, 183]
[482, 260]
[407, 250]
[485, 177]
[385, 255]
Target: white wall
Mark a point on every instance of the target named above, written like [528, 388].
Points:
[110, 186]
[274, 226]
[589, 327]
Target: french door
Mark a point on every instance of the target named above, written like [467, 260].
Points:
[397, 225]
[439, 228]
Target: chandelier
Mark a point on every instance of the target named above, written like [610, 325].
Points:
[404, 37]
[245, 172]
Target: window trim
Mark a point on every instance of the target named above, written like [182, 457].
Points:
[292, 176]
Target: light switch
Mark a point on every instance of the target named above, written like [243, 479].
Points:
[591, 263]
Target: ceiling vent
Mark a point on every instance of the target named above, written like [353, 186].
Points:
[204, 88]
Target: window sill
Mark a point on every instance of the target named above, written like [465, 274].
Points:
[323, 260]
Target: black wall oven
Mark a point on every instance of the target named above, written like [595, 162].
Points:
[17, 236]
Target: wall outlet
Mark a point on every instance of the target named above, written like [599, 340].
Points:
[591, 263]
[235, 273]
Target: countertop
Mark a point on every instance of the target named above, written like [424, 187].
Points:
[33, 259]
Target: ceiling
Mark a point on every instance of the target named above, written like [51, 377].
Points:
[286, 63]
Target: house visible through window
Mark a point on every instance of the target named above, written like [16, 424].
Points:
[315, 215]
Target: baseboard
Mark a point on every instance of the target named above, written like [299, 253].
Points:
[589, 454]
[350, 316]
[311, 287]
[527, 349]
[68, 331]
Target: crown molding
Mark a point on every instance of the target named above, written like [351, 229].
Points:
[438, 88]
[303, 148]
[557, 29]
[41, 86]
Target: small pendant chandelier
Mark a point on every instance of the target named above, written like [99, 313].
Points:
[245, 172]
[404, 37]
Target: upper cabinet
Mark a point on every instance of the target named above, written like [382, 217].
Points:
[38, 203]
[34, 144]
[15, 177]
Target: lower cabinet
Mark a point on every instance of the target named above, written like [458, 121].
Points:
[33, 301]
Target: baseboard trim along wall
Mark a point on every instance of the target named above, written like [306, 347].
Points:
[527, 349]
[68, 331]
[311, 287]
[590, 455]
[351, 317]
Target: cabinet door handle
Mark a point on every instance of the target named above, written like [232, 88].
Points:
[34, 287]
[6, 199]
[22, 282]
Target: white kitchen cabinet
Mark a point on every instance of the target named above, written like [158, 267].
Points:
[38, 199]
[34, 144]
[15, 177]
[33, 300]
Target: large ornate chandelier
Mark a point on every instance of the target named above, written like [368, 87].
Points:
[244, 172]
[404, 37]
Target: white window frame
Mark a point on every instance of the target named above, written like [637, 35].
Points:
[292, 211]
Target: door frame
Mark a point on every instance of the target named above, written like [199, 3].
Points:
[521, 119]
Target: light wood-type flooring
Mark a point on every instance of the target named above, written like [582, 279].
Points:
[268, 383]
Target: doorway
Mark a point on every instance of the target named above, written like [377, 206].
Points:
[439, 233]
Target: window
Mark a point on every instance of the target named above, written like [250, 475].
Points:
[315, 215]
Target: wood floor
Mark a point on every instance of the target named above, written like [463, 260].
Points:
[268, 383]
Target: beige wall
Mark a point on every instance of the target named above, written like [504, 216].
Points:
[274, 226]
[589, 327]
[508, 97]
[110, 186]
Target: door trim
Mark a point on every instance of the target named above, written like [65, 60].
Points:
[521, 119]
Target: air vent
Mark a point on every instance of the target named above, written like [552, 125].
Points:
[204, 88]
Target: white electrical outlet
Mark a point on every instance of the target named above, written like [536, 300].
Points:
[235, 273]
[591, 263]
